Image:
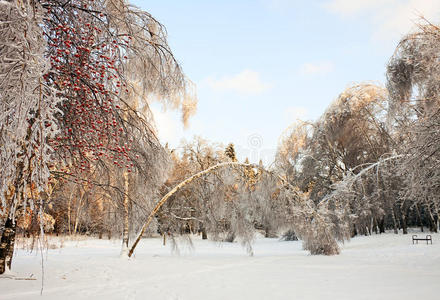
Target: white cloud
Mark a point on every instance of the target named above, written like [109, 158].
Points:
[390, 18]
[245, 82]
[320, 68]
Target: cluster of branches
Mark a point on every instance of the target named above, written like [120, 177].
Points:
[231, 201]
[218, 204]
[370, 162]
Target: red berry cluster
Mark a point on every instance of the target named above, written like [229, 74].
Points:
[86, 63]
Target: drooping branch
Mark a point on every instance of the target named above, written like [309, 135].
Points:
[184, 183]
[348, 181]
[303, 207]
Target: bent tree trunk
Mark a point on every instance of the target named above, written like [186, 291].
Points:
[327, 246]
[177, 188]
[7, 245]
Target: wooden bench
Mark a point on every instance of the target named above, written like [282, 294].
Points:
[417, 239]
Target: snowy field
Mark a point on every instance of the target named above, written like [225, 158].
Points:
[384, 266]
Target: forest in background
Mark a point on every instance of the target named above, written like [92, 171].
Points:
[79, 152]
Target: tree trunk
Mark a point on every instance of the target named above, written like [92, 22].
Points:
[404, 225]
[269, 232]
[78, 212]
[266, 232]
[437, 223]
[126, 229]
[69, 213]
[419, 216]
[404, 217]
[7, 245]
[381, 225]
[354, 231]
[204, 235]
[432, 222]
[230, 237]
[393, 216]
[7, 241]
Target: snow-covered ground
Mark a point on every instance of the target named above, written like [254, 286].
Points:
[383, 266]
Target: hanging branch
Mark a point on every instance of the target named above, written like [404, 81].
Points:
[308, 209]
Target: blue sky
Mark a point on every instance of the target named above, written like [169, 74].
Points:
[260, 65]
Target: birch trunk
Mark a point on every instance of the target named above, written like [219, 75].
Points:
[78, 213]
[69, 213]
[126, 229]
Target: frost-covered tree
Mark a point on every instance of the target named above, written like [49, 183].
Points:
[74, 78]
[350, 133]
[231, 200]
[393, 182]
[184, 212]
[413, 75]
[28, 106]
[325, 159]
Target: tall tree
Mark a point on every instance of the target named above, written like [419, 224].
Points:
[74, 77]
